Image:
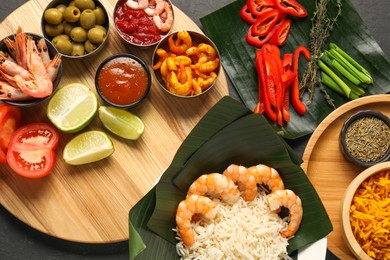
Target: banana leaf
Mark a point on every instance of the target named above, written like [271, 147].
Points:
[228, 133]
[228, 31]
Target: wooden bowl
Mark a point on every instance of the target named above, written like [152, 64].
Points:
[348, 236]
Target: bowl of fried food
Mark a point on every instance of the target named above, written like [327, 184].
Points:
[78, 28]
[30, 69]
[365, 213]
[186, 64]
[143, 23]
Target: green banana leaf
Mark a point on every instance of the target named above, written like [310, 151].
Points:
[228, 31]
[228, 133]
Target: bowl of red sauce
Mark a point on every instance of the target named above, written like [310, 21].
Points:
[143, 23]
[123, 80]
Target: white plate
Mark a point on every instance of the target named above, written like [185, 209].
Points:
[316, 250]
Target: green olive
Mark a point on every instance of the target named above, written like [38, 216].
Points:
[96, 35]
[53, 16]
[64, 46]
[68, 27]
[100, 27]
[61, 7]
[87, 19]
[85, 4]
[100, 15]
[78, 49]
[72, 14]
[89, 46]
[62, 36]
[54, 29]
[78, 34]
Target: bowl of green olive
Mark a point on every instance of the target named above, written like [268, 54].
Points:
[77, 28]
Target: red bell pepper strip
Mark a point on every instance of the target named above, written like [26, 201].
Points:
[291, 7]
[246, 15]
[265, 23]
[298, 105]
[263, 85]
[259, 41]
[280, 36]
[287, 61]
[257, 7]
[259, 108]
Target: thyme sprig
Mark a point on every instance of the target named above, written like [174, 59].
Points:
[322, 25]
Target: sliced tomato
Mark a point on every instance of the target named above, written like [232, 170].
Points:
[9, 120]
[31, 150]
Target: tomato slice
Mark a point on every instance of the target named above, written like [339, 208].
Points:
[31, 150]
[9, 120]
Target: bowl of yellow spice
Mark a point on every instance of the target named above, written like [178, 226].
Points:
[365, 213]
[365, 138]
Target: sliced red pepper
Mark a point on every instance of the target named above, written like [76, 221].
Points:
[257, 7]
[262, 87]
[298, 105]
[246, 15]
[287, 61]
[265, 23]
[259, 41]
[286, 104]
[291, 7]
[280, 36]
[259, 108]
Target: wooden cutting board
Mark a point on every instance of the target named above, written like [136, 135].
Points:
[90, 203]
[327, 169]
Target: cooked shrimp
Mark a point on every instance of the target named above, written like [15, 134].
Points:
[43, 51]
[209, 50]
[53, 66]
[268, 176]
[181, 44]
[21, 48]
[204, 83]
[182, 89]
[167, 24]
[158, 8]
[288, 199]
[140, 4]
[215, 184]
[11, 46]
[193, 204]
[246, 182]
[208, 66]
[162, 55]
[8, 92]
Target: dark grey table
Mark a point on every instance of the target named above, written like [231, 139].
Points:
[18, 241]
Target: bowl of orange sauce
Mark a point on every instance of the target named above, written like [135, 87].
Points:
[123, 80]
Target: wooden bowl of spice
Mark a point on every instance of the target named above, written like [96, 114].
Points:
[365, 213]
[365, 138]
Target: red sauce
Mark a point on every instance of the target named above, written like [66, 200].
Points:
[135, 25]
[123, 80]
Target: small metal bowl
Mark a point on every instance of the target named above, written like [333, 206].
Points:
[197, 38]
[349, 194]
[119, 6]
[118, 57]
[106, 25]
[343, 146]
[52, 53]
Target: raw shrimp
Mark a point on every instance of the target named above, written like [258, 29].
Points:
[215, 184]
[268, 176]
[8, 92]
[288, 199]
[193, 204]
[158, 9]
[167, 24]
[136, 5]
[246, 182]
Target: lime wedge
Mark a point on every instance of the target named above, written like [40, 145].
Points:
[121, 122]
[88, 147]
[72, 107]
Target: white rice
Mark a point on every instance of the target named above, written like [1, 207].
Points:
[245, 230]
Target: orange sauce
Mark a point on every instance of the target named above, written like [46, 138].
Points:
[123, 80]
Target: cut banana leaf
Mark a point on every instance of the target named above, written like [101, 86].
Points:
[228, 133]
[228, 31]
